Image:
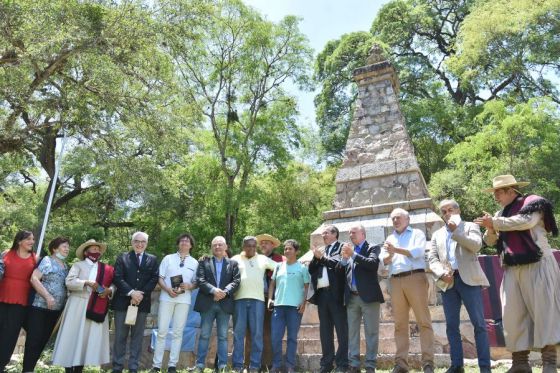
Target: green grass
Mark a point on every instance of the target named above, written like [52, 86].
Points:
[17, 368]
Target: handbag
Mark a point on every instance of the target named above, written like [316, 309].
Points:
[131, 314]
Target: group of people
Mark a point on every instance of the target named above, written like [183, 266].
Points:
[35, 294]
[267, 293]
[347, 292]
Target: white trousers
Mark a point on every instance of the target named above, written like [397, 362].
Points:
[168, 311]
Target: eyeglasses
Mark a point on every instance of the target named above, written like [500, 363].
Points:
[137, 241]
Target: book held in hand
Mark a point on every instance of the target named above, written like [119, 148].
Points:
[176, 282]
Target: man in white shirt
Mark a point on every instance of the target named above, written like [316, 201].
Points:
[328, 282]
[453, 261]
[403, 255]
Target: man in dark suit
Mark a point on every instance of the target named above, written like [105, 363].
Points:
[328, 282]
[136, 275]
[362, 296]
[218, 278]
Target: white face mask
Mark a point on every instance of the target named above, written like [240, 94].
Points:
[60, 256]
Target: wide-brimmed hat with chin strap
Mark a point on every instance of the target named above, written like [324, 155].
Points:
[505, 181]
[267, 237]
[80, 250]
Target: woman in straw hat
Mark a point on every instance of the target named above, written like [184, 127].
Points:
[83, 338]
[530, 290]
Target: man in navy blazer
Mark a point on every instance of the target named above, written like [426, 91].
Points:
[136, 276]
[218, 278]
[362, 297]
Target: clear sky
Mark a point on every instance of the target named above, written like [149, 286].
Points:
[322, 20]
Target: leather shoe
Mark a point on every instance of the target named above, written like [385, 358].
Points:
[428, 369]
[171, 370]
[399, 369]
[455, 369]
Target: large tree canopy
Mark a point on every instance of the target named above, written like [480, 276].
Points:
[235, 66]
[451, 58]
[171, 109]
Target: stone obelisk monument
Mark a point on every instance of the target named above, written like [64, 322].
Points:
[380, 171]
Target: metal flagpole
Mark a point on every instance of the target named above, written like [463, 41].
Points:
[51, 194]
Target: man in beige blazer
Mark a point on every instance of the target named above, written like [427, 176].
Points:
[453, 261]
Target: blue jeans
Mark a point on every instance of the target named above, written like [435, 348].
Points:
[471, 297]
[207, 320]
[284, 317]
[248, 312]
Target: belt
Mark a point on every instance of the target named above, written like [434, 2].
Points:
[353, 292]
[408, 273]
[324, 288]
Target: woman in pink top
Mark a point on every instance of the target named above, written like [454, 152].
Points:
[18, 264]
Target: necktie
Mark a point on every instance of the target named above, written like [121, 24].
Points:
[328, 250]
[138, 258]
[357, 251]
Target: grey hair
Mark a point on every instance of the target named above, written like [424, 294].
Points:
[249, 238]
[140, 234]
[218, 238]
[446, 202]
[399, 211]
[360, 227]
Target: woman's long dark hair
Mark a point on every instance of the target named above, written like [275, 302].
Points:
[20, 236]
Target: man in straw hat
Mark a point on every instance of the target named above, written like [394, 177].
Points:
[267, 244]
[530, 290]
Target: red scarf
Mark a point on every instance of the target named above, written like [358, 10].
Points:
[97, 307]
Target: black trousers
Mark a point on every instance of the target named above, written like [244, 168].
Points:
[12, 319]
[40, 325]
[332, 316]
[121, 337]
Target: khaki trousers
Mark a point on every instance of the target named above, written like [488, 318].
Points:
[530, 297]
[412, 292]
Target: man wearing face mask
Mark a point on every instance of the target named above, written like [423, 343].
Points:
[136, 275]
[453, 261]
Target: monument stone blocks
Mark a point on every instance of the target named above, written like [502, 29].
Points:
[378, 174]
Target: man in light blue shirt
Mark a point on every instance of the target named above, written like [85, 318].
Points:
[403, 255]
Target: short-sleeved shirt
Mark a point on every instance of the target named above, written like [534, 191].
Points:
[171, 266]
[251, 271]
[290, 280]
[53, 279]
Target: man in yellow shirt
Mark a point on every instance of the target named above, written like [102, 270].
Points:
[249, 304]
